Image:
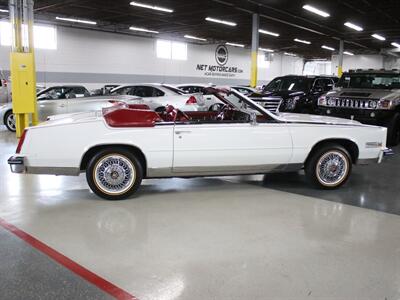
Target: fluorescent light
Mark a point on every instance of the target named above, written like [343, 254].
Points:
[221, 21]
[153, 7]
[302, 41]
[397, 45]
[327, 48]
[316, 11]
[194, 38]
[76, 20]
[4, 10]
[378, 37]
[353, 26]
[142, 29]
[268, 32]
[348, 53]
[289, 54]
[235, 45]
[266, 50]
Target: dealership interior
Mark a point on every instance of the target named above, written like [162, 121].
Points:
[213, 149]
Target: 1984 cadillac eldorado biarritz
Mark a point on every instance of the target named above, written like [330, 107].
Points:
[120, 146]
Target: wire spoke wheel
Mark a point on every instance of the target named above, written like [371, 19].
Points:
[10, 122]
[332, 168]
[114, 174]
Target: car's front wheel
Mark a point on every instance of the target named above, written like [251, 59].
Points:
[114, 174]
[329, 167]
[9, 121]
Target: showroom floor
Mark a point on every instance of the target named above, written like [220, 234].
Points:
[250, 237]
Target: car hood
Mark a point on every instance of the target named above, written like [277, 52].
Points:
[364, 93]
[314, 119]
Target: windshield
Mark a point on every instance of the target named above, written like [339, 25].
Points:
[288, 84]
[370, 81]
[173, 89]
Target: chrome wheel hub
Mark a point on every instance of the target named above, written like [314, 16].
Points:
[11, 121]
[114, 174]
[332, 168]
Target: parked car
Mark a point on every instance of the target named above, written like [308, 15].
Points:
[294, 93]
[105, 90]
[210, 99]
[4, 89]
[49, 107]
[369, 96]
[120, 146]
[157, 96]
[245, 90]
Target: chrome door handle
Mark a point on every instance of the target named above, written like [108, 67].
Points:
[182, 131]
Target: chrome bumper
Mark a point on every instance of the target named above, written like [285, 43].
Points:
[17, 164]
[384, 153]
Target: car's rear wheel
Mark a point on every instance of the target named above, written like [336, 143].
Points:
[9, 121]
[329, 167]
[114, 174]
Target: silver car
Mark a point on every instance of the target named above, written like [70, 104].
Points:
[49, 107]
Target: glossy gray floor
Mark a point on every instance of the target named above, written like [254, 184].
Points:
[217, 238]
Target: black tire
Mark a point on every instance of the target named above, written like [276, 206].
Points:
[127, 165]
[7, 117]
[313, 169]
[393, 133]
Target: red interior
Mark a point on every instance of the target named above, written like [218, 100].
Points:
[126, 117]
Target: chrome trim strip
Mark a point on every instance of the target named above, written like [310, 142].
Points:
[67, 171]
[195, 171]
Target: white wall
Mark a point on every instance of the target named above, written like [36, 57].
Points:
[358, 62]
[95, 58]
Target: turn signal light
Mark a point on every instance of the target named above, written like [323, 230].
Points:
[192, 100]
[21, 142]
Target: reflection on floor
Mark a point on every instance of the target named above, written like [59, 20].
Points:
[215, 238]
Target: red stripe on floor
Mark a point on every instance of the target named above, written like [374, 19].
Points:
[101, 283]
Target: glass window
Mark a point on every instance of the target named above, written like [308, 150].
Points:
[147, 91]
[370, 81]
[44, 37]
[171, 50]
[127, 90]
[289, 84]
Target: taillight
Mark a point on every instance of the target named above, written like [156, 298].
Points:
[21, 141]
[5, 83]
[192, 100]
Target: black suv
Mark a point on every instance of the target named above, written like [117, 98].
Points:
[294, 93]
[368, 96]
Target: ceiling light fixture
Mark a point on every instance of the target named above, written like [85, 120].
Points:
[235, 45]
[142, 29]
[316, 10]
[221, 21]
[378, 37]
[187, 36]
[153, 7]
[289, 54]
[266, 50]
[397, 45]
[353, 26]
[76, 20]
[348, 53]
[268, 32]
[328, 48]
[302, 41]
[4, 10]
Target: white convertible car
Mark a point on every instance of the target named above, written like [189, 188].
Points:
[120, 146]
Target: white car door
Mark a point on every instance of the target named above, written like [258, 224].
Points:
[234, 148]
